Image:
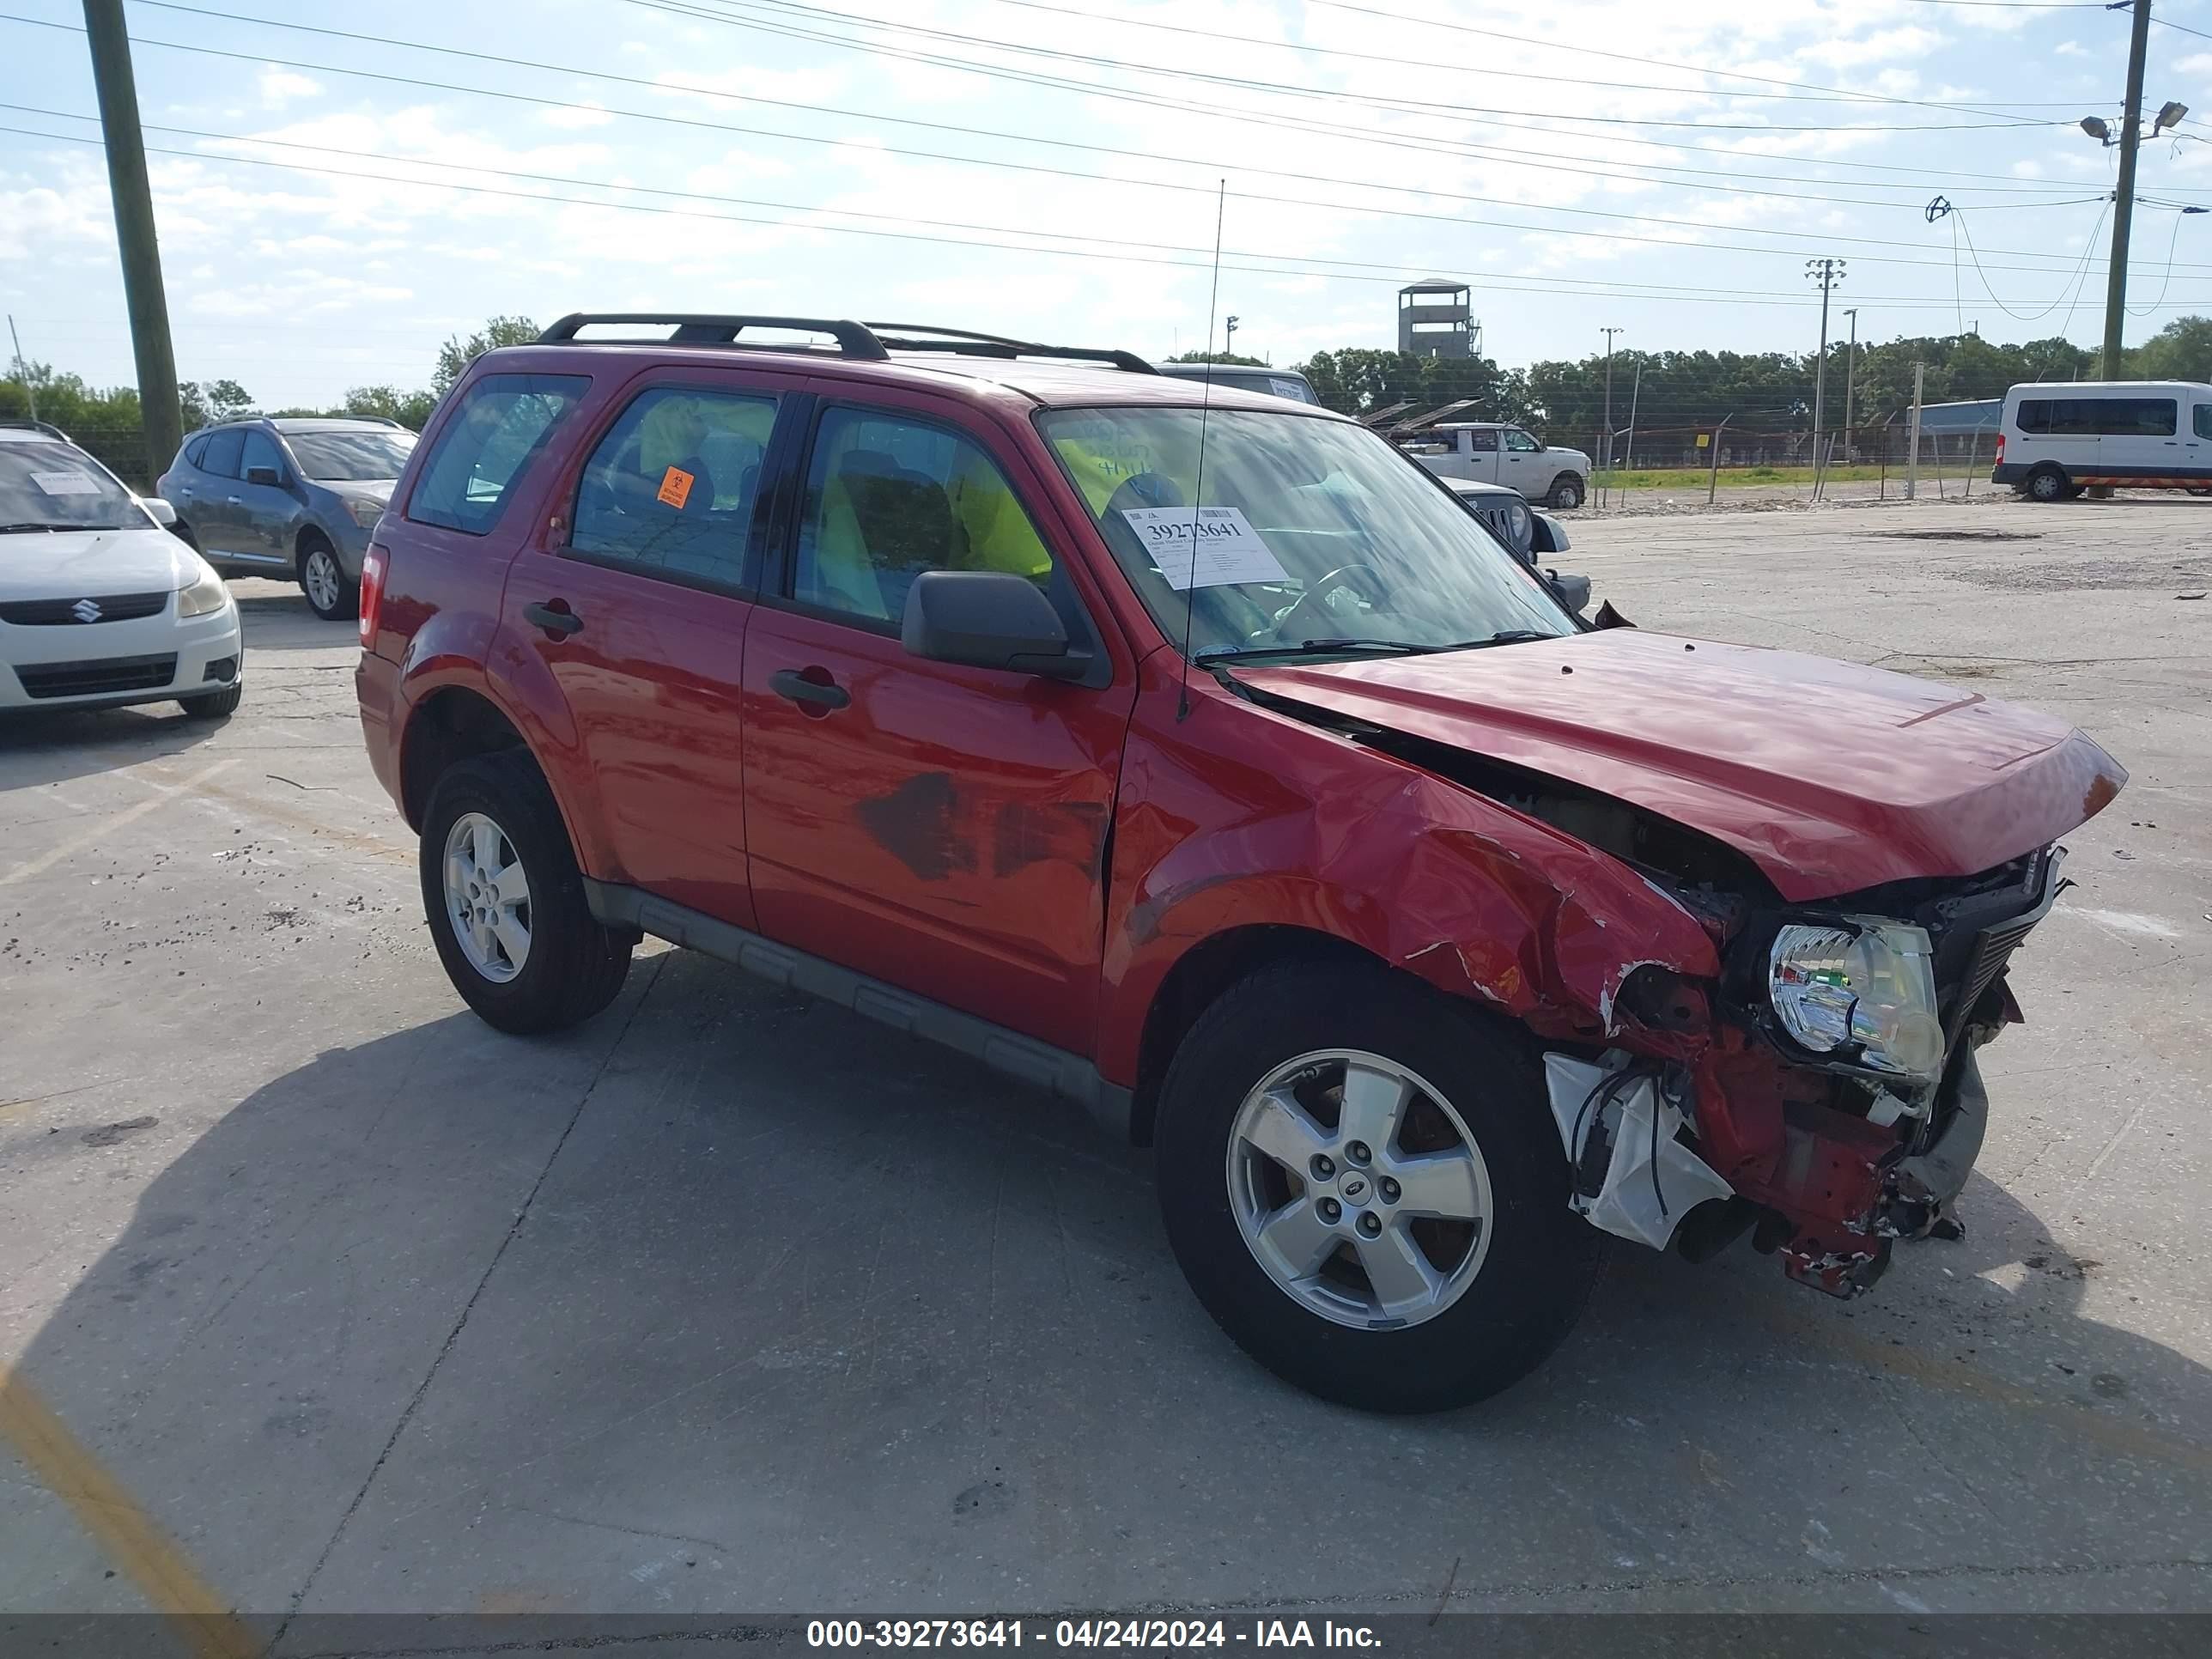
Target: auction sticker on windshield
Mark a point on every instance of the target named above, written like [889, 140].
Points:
[1228, 550]
[66, 483]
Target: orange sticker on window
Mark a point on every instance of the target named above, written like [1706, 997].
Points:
[676, 487]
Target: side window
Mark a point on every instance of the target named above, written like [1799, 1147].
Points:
[671, 486]
[888, 498]
[2200, 420]
[195, 451]
[2137, 417]
[1521, 442]
[2035, 414]
[221, 456]
[260, 451]
[1482, 443]
[503, 421]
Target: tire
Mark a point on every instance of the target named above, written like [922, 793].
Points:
[215, 705]
[570, 965]
[1567, 491]
[1527, 1273]
[2048, 484]
[331, 593]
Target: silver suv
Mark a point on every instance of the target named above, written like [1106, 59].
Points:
[293, 497]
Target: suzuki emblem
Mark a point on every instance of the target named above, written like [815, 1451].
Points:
[86, 610]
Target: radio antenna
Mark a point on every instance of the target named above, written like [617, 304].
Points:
[1198, 490]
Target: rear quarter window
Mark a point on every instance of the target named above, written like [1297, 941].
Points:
[503, 422]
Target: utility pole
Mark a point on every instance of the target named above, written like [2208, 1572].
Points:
[23, 369]
[134, 231]
[1605, 446]
[1827, 273]
[2123, 200]
[1229, 339]
[1850, 376]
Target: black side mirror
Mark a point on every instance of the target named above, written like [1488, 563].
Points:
[988, 619]
[1548, 536]
[1573, 592]
[265, 475]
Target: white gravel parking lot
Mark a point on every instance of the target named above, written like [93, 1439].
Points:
[320, 1296]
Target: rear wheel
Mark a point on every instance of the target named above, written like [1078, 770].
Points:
[505, 901]
[332, 594]
[2049, 483]
[1363, 1183]
[1567, 491]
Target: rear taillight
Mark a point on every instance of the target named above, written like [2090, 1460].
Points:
[2000, 449]
[371, 592]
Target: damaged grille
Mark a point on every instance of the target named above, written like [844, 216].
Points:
[1974, 922]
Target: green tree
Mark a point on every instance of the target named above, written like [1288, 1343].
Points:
[2182, 351]
[457, 354]
[410, 409]
[1229, 357]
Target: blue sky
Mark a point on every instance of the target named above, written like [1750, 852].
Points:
[1048, 168]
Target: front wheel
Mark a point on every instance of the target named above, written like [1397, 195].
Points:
[1567, 491]
[215, 705]
[505, 901]
[1363, 1183]
[332, 594]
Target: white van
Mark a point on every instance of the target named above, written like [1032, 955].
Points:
[2058, 436]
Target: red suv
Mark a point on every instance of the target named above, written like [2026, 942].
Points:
[1196, 756]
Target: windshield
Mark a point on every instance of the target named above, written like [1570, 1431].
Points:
[1308, 530]
[335, 457]
[58, 487]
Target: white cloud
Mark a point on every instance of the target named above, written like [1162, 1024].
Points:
[2069, 49]
[578, 117]
[280, 87]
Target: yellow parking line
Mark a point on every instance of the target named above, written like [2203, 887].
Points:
[130, 1537]
[113, 821]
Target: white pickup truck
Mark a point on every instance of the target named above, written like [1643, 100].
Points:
[1489, 452]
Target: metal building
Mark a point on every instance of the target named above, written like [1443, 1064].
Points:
[1436, 318]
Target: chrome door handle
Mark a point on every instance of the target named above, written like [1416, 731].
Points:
[231, 500]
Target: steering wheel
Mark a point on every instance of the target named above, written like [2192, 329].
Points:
[1327, 584]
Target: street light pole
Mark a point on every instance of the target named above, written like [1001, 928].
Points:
[2123, 199]
[1605, 446]
[1851, 374]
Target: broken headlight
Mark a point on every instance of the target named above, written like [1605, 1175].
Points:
[1860, 991]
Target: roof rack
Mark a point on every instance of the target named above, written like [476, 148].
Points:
[966, 342]
[700, 328]
[869, 341]
[46, 427]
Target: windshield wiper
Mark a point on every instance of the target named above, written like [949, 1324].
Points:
[1311, 648]
[1508, 637]
[14, 529]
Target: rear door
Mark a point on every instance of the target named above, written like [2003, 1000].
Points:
[1478, 452]
[636, 600]
[941, 828]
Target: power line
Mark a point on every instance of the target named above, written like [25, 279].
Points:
[1393, 274]
[1581, 50]
[1414, 141]
[789, 31]
[1653, 219]
[1496, 280]
[2182, 28]
[1431, 66]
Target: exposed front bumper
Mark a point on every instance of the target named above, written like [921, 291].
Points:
[156, 659]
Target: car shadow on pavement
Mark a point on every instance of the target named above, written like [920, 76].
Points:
[732, 1302]
[42, 746]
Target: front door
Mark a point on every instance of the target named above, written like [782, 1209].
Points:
[266, 510]
[941, 828]
[1521, 465]
[637, 601]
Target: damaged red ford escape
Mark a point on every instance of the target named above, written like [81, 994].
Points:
[1196, 756]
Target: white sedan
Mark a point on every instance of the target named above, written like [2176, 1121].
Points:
[99, 604]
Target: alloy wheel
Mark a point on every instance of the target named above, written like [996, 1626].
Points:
[487, 897]
[322, 578]
[1360, 1189]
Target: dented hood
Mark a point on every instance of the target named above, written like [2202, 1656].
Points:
[1830, 776]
